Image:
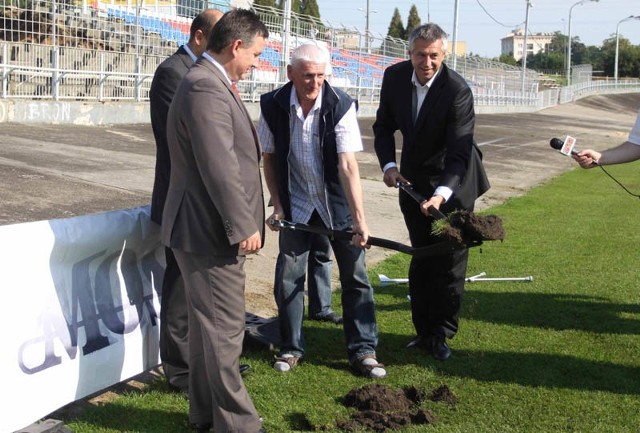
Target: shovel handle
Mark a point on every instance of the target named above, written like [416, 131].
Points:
[430, 250]
[409, 189]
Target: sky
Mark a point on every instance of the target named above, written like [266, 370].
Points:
[483, 23]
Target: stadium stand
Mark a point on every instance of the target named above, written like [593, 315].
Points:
[110, 50]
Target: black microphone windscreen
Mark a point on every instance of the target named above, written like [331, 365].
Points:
[556, 143]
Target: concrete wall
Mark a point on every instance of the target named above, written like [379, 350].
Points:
[109, 113]
[73, 112]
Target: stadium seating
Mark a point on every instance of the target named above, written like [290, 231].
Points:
[169, 29]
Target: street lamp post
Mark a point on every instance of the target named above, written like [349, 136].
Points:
[564, 32]
[569, 39]
[454, 48]
[615, 70]
[524, 47]
[368, 12]
[286, 31]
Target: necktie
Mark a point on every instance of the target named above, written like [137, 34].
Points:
[235, 89]
[414, 102]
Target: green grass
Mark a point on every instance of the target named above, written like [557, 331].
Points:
[559, 354]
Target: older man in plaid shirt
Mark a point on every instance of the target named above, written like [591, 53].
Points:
[309, 135]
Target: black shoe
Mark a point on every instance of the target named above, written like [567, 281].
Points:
[182, 391]
[331, 318]
[244, 368]
[418, 342]
[202, 428]
[439, 348]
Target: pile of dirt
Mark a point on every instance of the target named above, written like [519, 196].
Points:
[380, 408]
[467, 228]
[443, 393]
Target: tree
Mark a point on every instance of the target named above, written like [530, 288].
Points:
[310, 8]
[592, 55]
[546, 61]
[396, 29]
[412, 22]
[508, 59]
[553, 57]
[296, 5]
[628, 57]
[578, 50]
[558, 44]
[267, 3]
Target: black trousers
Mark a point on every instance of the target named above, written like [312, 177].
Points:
[174, 326]
[436, 283]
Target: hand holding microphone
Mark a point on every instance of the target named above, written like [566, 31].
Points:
[590, 158]
[586, 158]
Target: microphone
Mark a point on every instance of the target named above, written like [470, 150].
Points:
[566, 147]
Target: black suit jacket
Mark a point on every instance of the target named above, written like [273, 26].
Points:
[163, 87]
[438, 149]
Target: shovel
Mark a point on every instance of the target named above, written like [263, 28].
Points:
[433, 211]
[430, 250]
[408, 188]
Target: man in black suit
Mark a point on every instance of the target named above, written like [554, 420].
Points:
[173, 310]
[433, 108]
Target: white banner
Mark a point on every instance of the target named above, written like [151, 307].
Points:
[80, 309]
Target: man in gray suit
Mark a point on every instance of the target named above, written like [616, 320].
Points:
[174, 344]
[214, 217]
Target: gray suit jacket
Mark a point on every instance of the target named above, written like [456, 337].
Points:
[215, 195]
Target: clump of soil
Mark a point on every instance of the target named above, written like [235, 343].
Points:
[443, 393]
[380, 408]
[467, 228]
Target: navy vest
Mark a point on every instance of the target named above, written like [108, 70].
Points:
[276, 111]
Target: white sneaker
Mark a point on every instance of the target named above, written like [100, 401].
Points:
[285, 362]
[370, 368]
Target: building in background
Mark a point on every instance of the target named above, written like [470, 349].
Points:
[536, 42]
[460, 48]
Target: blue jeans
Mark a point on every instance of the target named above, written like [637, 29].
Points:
[360, 328]
[319, 277]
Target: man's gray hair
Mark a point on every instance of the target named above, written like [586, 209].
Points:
[430, 32]
[311, 52]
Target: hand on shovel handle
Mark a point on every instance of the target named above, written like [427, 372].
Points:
[408, 188]
[436, 213]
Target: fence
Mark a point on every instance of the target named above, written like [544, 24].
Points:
[106, 51]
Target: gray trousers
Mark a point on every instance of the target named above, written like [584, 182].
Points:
[215, 296]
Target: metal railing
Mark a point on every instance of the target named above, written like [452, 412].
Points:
[105, 51]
